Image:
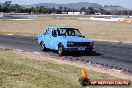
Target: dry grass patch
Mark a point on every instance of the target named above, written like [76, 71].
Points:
[92, 29]
[18, 71]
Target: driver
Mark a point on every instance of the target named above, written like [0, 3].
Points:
[63, 32]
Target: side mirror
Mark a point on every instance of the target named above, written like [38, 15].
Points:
[83, 36]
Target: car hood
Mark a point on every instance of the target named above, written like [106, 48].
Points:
[75, 39]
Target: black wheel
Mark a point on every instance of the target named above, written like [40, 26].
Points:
[43, 48]
[61, 50]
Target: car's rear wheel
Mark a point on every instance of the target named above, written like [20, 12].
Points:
[43, 48]
[61, 50]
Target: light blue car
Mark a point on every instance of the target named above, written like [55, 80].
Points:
[64, 38]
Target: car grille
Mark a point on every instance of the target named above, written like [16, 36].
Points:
[86, 44]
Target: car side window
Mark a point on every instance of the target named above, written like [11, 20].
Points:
[62, 32]
[71, 32]
[48, 31]
[54, 33]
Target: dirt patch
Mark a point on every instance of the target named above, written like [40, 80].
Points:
[79, 64]
[5, 49]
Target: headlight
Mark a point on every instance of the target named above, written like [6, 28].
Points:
[70, 44]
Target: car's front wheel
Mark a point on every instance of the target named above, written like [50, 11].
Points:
[43, 48]
[61, 50]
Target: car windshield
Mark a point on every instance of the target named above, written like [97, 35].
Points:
[68, 32]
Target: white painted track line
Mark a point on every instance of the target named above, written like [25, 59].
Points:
[8, 34]
[36, 52]
[19, 50]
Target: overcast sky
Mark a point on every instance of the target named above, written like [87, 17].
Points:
[124, 3]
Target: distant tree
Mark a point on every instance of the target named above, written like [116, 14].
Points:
[16, 8]
[130, 12]
[53, 9]
[90, 11]
[125, 12]
[60, 9]
[65, 9]
[119, 12]
[83, 9]
[0, 8]
[108, 12]
[7, 6]
[37, 10]
[69, 9]
[41, 9]
[7, 3]
[102, 11]
[33, 10]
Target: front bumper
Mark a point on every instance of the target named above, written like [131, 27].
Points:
[78, 48]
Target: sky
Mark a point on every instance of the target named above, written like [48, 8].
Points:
[124, 3]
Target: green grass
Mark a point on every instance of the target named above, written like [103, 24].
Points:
[21, 72]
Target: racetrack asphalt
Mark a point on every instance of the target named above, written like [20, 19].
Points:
[115, 55]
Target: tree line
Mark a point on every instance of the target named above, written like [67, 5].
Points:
[7, 7]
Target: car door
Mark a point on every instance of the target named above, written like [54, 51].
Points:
[46, 37]
[53, 40]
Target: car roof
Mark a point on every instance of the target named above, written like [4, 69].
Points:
[55, 27]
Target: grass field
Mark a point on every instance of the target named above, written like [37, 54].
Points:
[91, 29]
[18, 71]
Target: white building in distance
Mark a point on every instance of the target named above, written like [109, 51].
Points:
[74, 13]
